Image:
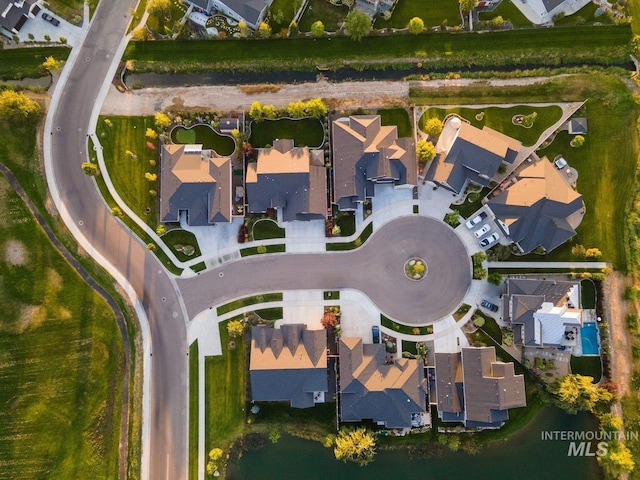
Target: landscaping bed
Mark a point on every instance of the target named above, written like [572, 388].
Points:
[184, 244]
[266, 229]
[203, 134]
[330, 15]
[432, 13]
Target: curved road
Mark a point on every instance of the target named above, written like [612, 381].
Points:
[378, 264]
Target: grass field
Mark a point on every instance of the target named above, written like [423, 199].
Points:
[366, 233]
[584, 44]
[398, 117]
[61, 354]
[509, 12]
[246, 301]
[69, 8]
[225, 392]
[584, 15]
[127, 174]
[330, 15]
[17, 63]
[265, 229]
[247, 252]
[305, 132]
[588, 294]
[590, 366]
[173, 238]
[205, 135]
[432, 13]
[193, 411]
[500, 119]
[284, 8]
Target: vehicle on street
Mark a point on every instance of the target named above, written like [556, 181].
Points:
[476, 220]
[481, 232]
[375, 330]
[488, 305]
[490, 240]
[52, 20]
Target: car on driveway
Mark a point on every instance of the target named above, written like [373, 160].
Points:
[481, 232]
[52, 20]
[375, 330]
[488, 305]
[490, 240]
[476, 220]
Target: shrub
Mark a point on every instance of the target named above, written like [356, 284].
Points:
[479, 321]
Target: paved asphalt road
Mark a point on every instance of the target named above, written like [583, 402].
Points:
[168, 411]
[376, 269]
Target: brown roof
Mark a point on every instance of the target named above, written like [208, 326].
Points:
[448, 382]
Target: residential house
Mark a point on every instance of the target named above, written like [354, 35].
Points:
[288, 364]
[374, 386]
[476, 389]
[292, 180]
[252, 12]
[196, 182]
[543, 313]
[465, 154]
[366, 153]
[15, 13]
[538, 208]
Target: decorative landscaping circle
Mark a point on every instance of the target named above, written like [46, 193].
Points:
[415, 269]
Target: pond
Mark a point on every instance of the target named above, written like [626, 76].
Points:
[205, 135]
[525, 456]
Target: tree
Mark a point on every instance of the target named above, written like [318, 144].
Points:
[269, 111]
[117, 212]
[610, 422]
[416, 25]
[575, 393]
[356, 445]
[452, 219]
[235, 328]
[468, 5]
[51, 64]
[577, 141]
[617, 460]
[433, 127]
[592, 253]
[358, 25]
[161, 230]
[139, 34]
[425, 151]
[90, 169]
[297, 109]
[152, 177]
[494, 278]
[245, 31]
[578, 250]
[329, 320]
[151, 134]
[214, 456]
[497, 22]
[159, 8]
[16, 106]
[162, 121]
[256, 111]
[317, 29]
[479, 321]
[264, 30]
[316, 108]
[293, 28]
[529, 120]
[274, 435]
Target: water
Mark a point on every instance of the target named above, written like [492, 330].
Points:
[525, 456]
[589, 334]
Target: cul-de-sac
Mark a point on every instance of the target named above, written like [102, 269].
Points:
[314, 239]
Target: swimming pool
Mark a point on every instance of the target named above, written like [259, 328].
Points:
[589, 334]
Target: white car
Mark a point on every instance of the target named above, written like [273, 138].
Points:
[481, 232]
[490, 240]
[476, 220]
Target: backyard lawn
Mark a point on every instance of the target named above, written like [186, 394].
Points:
[265, 229]
[590, 366]
[588, 294]
[330, 15]
[61, 360]
[398, 117]
[305, 132]
[206, 136]
[17, 63]
[433, 13]
[500, 119]
[585, 15]
[225, 392]
[509, 12]
[282, 12]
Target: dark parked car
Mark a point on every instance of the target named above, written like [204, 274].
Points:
[491, 306]
[376, 334]
[52, 20]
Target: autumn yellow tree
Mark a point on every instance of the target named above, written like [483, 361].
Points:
[17, 106]
[355, 445]
[235, 328]
[162, 120]
[425, 152]
[51, 64]
[617, 460]
[575, 393]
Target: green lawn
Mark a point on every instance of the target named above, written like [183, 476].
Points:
[500, 119]
[406, 329]
[128, 134]
[366, 233]
[347, 224]
[509, 12]
[61, 359]
[286, 9]
[398, 117]
[17, 63]
[247, 252]
[225, 393]
[205, 135]
[266, 229]
[274, 313]
[472, 203]
[193, 411]
[490, 326]
[584, 15]
[165, 27]
[588, 294]
[433, 13]
[586, 44]
[246, 301]
[305, 132]
[330, 15]
[590, 366]
[68, 9]
[176, 238]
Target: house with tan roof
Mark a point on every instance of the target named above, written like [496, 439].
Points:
[543, 313]
[466, 154]
[288, 364]
[366, 153]
[195, 182]
[292, 180]
[375, 386]
[476, 389]
[538, 209]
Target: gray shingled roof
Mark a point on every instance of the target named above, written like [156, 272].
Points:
[288, 364]
[371, 388]
[540, 209]
[365, 153]
[291, 179]
[578, 126]
[14, 14]
[250, 10]
[197, 181]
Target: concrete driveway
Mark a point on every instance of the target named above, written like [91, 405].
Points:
[39, 27]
